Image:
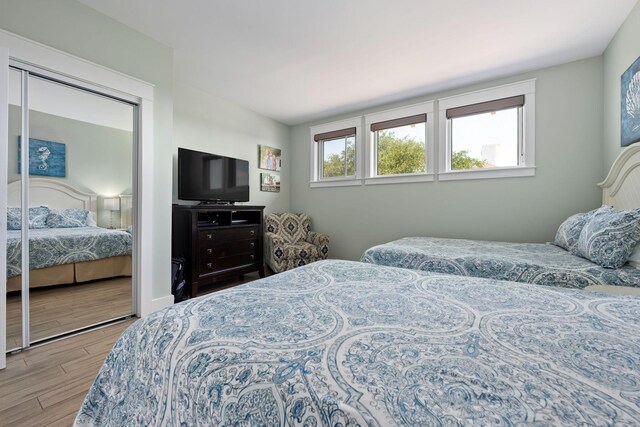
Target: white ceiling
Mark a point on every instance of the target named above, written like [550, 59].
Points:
[301, 60]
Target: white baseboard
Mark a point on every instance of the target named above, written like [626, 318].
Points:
[158, 303]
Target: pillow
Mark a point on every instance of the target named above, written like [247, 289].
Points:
[608, 239]
[14, 221]
[67, 218]
[634, 259]
[37, 217]
[569, 231]
[92, 219]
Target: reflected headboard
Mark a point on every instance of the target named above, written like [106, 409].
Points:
[621, 188]
[51, 193]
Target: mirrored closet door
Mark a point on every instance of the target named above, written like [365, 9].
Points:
[70, 208]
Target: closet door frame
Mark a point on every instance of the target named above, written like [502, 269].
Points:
[4, 164]
[18, 50]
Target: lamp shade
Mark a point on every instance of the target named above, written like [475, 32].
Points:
[112, 204]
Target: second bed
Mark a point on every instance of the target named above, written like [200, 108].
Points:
[537, 263]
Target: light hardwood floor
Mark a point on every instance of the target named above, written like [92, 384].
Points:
[59, 309]
[45, 385]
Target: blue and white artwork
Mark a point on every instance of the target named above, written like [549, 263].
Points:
[46, 158]
[630, 105]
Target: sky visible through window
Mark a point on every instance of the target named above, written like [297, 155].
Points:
[333, 146]
[334, 161]
[415, 132]
[492, 137]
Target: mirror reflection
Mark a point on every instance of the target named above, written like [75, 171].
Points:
[80, 205]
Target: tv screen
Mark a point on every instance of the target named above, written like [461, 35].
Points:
[211, 178]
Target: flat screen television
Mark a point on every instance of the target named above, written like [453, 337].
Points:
[207, 177]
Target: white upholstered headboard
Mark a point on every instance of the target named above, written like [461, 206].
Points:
[51, 193]
[621, 188]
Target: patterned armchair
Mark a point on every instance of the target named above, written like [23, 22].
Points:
[289, 241]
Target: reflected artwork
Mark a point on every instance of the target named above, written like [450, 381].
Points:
[46, 158]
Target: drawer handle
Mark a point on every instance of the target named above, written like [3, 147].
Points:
[253, 244]
[251, 257]
[209, 251]
[209, 265]
[209, 236]
[252, 232]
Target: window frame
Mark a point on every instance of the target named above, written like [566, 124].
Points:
[526, 129]
[370, 154]
[316, 157]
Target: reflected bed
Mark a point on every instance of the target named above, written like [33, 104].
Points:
[64, 255]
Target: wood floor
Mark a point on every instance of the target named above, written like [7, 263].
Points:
[45, 385]
[59, 309]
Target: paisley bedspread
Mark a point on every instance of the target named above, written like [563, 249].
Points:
[57, 246]
[539, 263]
[343, 343]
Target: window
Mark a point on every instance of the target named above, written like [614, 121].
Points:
[399, 145]
[338, 153]
[488, 134]
[334, 153]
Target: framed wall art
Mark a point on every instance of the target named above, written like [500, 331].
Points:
[269, 158]
[46, 158]
[270, 182]
[630, 105]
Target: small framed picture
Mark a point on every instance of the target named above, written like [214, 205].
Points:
[270, 182]
[269, 158]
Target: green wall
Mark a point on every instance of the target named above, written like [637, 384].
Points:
[619, 55]
[208, 123]
[99, 159]
[574, 111]
[79, 30]
[529, 209]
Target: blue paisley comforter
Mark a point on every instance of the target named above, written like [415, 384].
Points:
[57, 246]
[343, 343]
[539, 263]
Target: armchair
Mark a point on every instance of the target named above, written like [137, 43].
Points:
[289, 241]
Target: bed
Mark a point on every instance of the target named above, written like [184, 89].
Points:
[348, 343]
[65, 255]
[537, 263]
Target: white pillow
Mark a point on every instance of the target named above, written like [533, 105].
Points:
[92, 219]
[634, 259]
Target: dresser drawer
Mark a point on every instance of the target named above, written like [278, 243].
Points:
[228, 248]
[213, 237]
[208, 266]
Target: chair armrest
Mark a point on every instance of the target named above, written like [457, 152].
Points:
[273, 245]
[318, 239]
[273, 239]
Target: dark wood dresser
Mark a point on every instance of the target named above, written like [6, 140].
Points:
[217, 241]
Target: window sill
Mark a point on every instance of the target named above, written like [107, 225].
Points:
[335, 183]
[487, 173]
[397, 179]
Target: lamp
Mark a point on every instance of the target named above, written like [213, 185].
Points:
[111, 204]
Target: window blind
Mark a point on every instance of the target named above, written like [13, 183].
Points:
[334, 134]
[404, 121]
[486, 107]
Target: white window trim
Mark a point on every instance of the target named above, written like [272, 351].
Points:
[315, 180]
[527, 88]
[396, 113]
